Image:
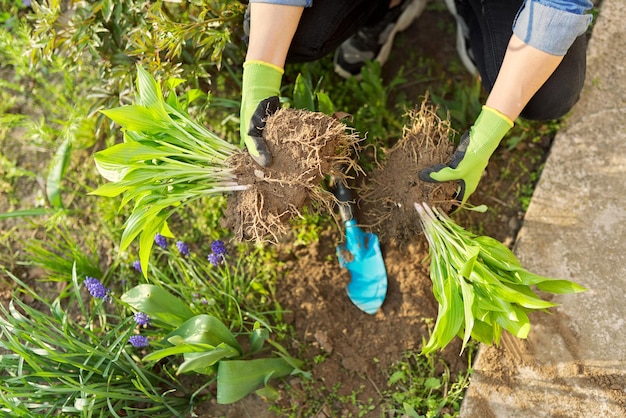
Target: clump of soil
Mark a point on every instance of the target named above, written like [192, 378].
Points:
[388, 197]
[306, 147]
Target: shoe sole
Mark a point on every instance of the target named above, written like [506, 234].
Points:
[405, 20]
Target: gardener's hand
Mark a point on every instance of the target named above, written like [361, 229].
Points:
[259, 100]
[472, 155]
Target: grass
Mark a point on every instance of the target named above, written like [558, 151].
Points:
[68, 235]
[423, 386]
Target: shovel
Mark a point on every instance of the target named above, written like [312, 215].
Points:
[361, 256]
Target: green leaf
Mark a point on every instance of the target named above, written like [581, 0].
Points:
[148, 90]
[520, 328]
[257, 338]
[324, 104]
[449, 318]
[432, 383]
[549, 284]
[158, 303]
[137, 118]
[560, 286]
[205, 329]
[27, 212]
[115, 162]
[482, 332]
[497, 253]
[58, 167]
[237, 378]
[110, 189]
[468, 302]
[203, 362]
[181, 348]
[150, 227]
[303, 97]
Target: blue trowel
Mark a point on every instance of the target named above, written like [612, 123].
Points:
[361, 256]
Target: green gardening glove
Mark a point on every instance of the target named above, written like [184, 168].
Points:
[259, 100]
[472, 155]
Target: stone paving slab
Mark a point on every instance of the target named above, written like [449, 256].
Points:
[573, 363]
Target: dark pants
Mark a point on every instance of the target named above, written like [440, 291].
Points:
[328, 23]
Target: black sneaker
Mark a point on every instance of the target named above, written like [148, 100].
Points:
[374, 42]
[462, 36]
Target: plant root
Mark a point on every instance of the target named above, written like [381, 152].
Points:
[306, 147]
[393, 188]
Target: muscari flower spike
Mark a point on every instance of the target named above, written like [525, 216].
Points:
[182, 248]
[142, 318]
[139, 341]
[218, 248]
[96, 289]
[214, 259]
[160, 240]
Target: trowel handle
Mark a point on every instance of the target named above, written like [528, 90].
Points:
[346, 206]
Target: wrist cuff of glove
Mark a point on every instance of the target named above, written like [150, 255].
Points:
[496, 113]
[260, 81]
[251, 63]
[487, 132]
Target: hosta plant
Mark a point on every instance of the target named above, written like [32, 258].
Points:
[166, 161]
[208, 347]
[480, 285]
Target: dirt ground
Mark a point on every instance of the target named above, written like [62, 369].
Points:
[348, 351]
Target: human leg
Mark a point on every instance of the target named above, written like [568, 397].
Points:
[328, 23]
[374, 39]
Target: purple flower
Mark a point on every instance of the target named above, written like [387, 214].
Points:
[183, 248]
[139, 341]
[160, 240]
[215, 259]
[142, 318]
[218, 248]
[96, 288]
[137, 266]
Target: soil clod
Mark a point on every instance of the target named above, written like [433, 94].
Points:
[393, 188]
[306, 147]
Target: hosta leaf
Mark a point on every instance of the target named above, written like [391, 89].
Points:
[303, 97]
[520, 327]
[324, 104]
[468, 302]
[203, 362]
[115, 162]
[181, 348]
[237, 378]
[497, 250]
[158, 303]
[549, 284]
[148, 90]
[482, 332]
[449, 319]
[136, 222]
[149, 229]
[257, 338]
[137, 118]
[110, 189]
[560, 286]
[205, 329]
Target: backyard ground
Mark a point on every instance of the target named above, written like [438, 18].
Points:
[349, 353]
